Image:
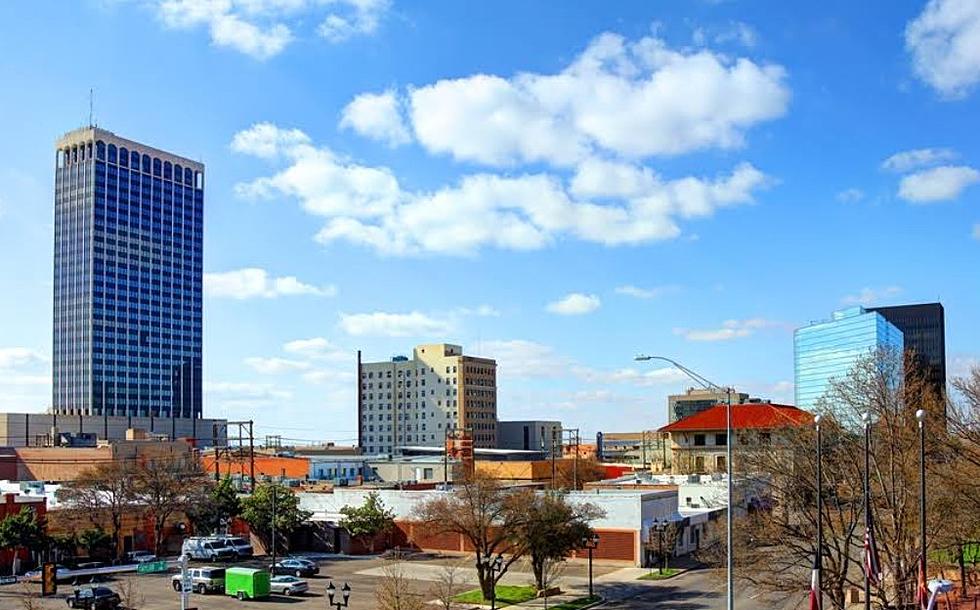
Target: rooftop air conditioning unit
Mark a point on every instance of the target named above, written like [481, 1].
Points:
[694, 478]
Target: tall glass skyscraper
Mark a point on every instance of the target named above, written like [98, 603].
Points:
[924, 328]
[827, 351]
[128, 269]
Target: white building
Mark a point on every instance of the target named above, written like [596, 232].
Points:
[415, 401]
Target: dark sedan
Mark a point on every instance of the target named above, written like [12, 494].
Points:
[94, 598]
[296, 567]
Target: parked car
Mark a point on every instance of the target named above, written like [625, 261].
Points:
[204, 580]
[94, 598]
[288, 585]
[246, 583]
[61, 574]
[140, 557]
[296, 566]
[207, 549]
[242, 547]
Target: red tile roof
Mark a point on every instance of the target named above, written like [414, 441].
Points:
[760, 416]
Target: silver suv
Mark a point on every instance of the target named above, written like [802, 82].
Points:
[203, 580]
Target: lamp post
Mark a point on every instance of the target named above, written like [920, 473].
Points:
[493, 565]
[591, 542]
[705, 383]
[661, 528]
[332, 591]
[920, 415]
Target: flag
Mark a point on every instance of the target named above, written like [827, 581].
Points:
[872, 564]
[816, 595]
[922, 597]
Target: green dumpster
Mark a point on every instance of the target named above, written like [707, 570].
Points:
[246, 583]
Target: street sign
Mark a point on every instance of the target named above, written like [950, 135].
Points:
[150, 567]
[8, 580]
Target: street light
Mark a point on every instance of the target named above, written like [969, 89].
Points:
[332, 590]
[591, 543]
[661, 528]
[493, 565]
[920, 415]
[705, 383]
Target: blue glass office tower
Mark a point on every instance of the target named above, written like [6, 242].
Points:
[128, 269]
[827, 351]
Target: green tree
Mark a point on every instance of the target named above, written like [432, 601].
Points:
[219, 506]
[368, 520]
[257, 512]
[22, 530]
[96, 542]
[552, 529]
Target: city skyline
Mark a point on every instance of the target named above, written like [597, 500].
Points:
[706, 232]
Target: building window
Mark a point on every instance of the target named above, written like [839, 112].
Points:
[699, 440]
[720, 464]
[721, 439]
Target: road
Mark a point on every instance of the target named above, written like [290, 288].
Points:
[695, 590]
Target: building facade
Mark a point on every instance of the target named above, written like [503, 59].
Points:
[128, 248]
[826, 352]
[645, 449]
[923, 328]
[417, 401]
[529, 435]
[695, 400]
[699, 443]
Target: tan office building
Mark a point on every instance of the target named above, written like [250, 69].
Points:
[414, 401]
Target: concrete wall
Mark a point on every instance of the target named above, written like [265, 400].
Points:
[25, 429]
[397, 471]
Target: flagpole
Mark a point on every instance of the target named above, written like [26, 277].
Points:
[819, 557]
[920, 415]
[867, 510]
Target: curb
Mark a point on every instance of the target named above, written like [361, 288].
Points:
[679, 572]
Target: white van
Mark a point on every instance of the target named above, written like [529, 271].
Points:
[207, 549]
[241, 546]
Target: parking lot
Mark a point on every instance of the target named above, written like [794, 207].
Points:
[155, 591]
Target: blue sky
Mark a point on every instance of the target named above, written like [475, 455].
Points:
[556, 185]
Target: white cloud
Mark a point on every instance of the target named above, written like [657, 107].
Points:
[383, 324]
[276, 366]
[871, 296]
[247, 390]
[377, 116]
[366, 205]
[575, 304]
[937, 184]
[15, 357]
[630, 98]
[353, 18]
[267, 141]
[317, 348]
[480, 311]
[253, 282]
[264, 28]
[737, 32]
[730, 329]
[921, 157]
[945, 45]
[646, 293]
[519, 358]
[851, 195]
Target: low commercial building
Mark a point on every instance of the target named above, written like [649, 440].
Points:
[238, 463]
[530, 435]
[58, 464]
[699, 443]
[418, 469]
[625, 532]
[43, 429]
[644, 449]
[339, 469]
[695, 400]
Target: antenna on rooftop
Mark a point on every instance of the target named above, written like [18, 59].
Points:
[91, 107]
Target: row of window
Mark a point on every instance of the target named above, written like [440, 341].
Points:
[124, 157]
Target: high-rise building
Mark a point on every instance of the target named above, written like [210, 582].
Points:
[415, 401]
[695, 400]
[128, 237]
[828, 351]
[924, 329]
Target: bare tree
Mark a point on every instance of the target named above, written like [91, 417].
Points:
[485, 514]
[395, 590]
[165, 486]
[130, 594]
[100, 495]
[450, 580]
